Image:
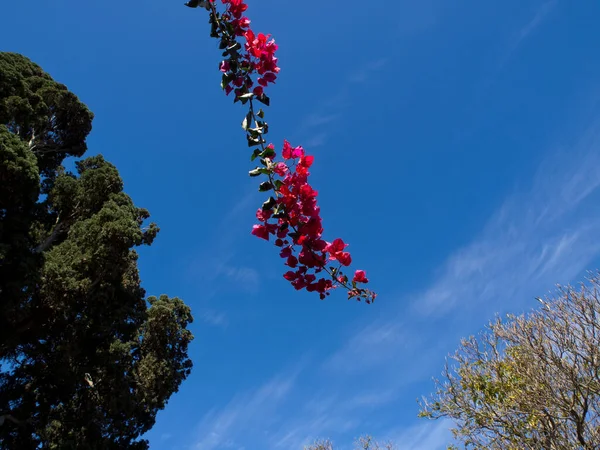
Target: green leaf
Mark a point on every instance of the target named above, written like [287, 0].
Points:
[261, 127]
[233, 52]
[254, 132]
[254, 172]
[269, 204]
[258, 171]
[265, 186]
[247, 120]
[255, 154]
[278, 184]
[252, 141]
[279, 213]
[261, 114]
[248, 95]
[226, 79]
[267, 153]
[235, 46]
[264, 99]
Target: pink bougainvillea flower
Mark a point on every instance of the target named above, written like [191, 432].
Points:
[290, 276]
[280, 169]
[249, 35]
[287, 150]
[270, 77]
[319, 245]
[299, 283]
[312, 228]
[306, 191]
[240, 26]
[292, 261]
[263, 215]
[224, 66]
[335, 247]
[360, 277]
[260, 231]
[298, 152]
[344, 258]
[266, 79]
[307, 160]
[310, 259]
[236, 7]
[286, 252]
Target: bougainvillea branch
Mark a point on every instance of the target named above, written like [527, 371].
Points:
[291, 214]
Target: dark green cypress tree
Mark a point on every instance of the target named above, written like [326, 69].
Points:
[86, 359]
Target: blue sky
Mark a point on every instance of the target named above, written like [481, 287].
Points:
[457, 150]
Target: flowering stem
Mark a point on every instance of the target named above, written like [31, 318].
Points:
[294, 203]
[278, 194]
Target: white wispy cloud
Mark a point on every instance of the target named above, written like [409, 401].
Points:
[316, 119]
[246, 279]
[363, 73]
[324, 415]
[540, 15]
[315, 128]
[220, 263]
[215, 318]
[513, 42]
[537, 238]
[357, 354]
[247, 415]
[429, 435]
[518, 37]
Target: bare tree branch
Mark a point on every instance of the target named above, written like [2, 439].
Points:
[531, 381]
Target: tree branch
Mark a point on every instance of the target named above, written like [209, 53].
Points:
[13, 419]
[50, 239]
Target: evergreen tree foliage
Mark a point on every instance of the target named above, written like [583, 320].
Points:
[86, 359]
